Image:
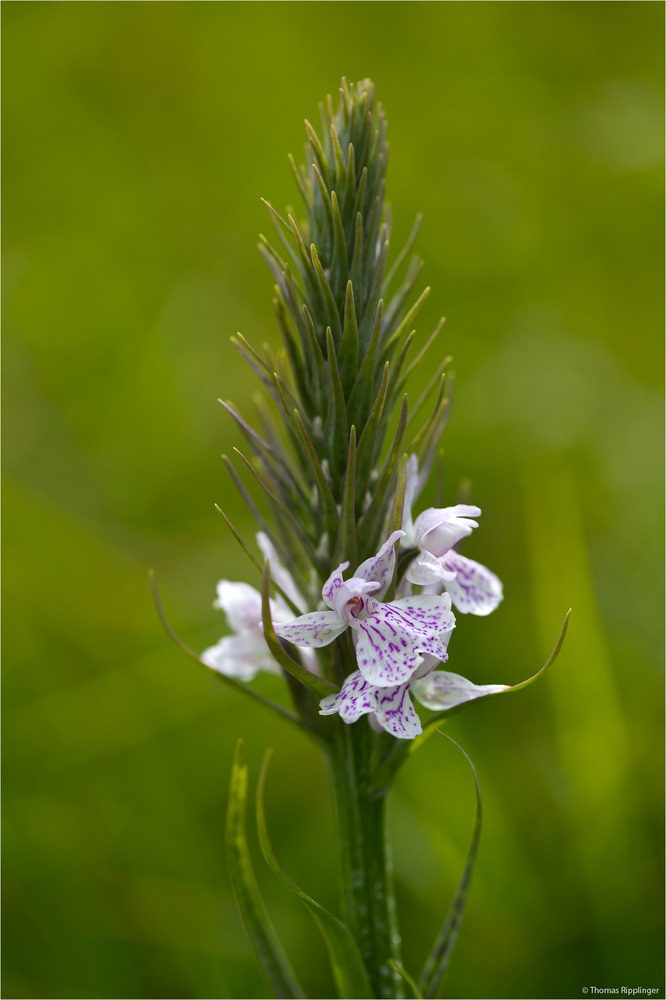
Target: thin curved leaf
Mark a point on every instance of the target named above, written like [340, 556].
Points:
[349, 972]
[266, 944]
[229, 681]
[416, 992]
[437, 962]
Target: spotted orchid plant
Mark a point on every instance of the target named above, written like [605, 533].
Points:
[341, 459]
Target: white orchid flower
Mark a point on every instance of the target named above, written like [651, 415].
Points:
[389, 638]
[245, 653]
[474, 589]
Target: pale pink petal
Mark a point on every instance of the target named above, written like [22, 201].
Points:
[439, 528]
[241, 603]
[395, 712]
[316, 629]
[333, 584]
[240, 656]
[426, 569]
[380, 568]
[441, 690]
[473, 589]
[355, 698]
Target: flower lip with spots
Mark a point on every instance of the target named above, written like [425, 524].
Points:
[391, 708]
[390, 638]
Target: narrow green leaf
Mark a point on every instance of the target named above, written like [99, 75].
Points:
[415, 364]
[319, 364]
[405, 250]
[325, 196]
[326, 294]
[372, 266]
[339, 264]
[340, 165]
[438, 960]
[350, 184]
[318, 150]
[348, 354]
[319, 686]
[435, 413]
[326, 498]
[248, 500]
[356, 269]
[270, 953]
[290, 517]
[254, 360]
[349, 972]
[345, 545]
[368, 442]
[360, 193]
[372, 520]
[336, 427]
[401, 296]
[437, 374]
[300, 183]
[308, 270]
[361, 394]
[393, 341]
[416, 992]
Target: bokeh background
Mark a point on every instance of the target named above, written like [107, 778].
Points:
[138, 138]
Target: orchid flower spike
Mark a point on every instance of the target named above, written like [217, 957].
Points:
[391, 708]
[389, 638]
[245, 653]
[473, 588]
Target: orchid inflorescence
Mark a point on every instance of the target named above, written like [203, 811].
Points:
[341, 458]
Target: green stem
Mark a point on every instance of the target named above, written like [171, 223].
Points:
[368, 898]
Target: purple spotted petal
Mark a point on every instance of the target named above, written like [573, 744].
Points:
[380, 567]
[355, 698]
[474, 589]
[426, 569]
[333, 584]
[392, 636]
[385, 654]
[316, 629]
[441, 690]
[439, 528]
[427, 613]
[395, 712]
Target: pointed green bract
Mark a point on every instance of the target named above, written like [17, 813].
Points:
[347, 965]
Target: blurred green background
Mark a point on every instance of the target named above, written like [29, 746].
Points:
[138, 138]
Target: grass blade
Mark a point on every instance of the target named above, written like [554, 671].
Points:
[269, 951]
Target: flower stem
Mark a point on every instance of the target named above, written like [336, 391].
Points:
[368, 899]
